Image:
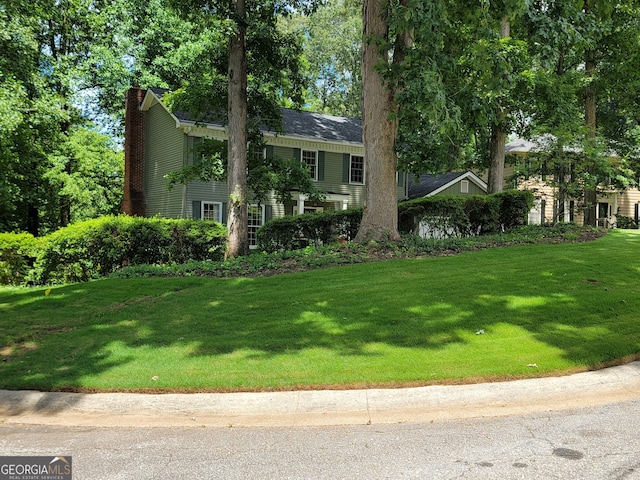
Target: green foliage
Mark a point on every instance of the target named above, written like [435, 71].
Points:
[444, 214]
[53, 167]
[626, 222]
[458, 216]
[514, 207]
[94, 185]
[18, 252]
[332, 59]
[263, 263]
[294, 232]
[95, 248]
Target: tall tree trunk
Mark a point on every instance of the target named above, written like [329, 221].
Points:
[380, 217]
[590, 194]
[497, 154]
[498, 135]
[561, 195]
[237, 219]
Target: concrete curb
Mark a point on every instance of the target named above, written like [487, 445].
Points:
[323, 407]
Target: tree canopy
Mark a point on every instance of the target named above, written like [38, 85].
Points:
[447, 80]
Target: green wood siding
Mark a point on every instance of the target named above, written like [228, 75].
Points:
[455, 189]
[205, 192]
[164, 152]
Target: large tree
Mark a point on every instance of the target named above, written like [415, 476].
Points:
[582, 51]
[379, 124]
[251, 68]
[45, 47]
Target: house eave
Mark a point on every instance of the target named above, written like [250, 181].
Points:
[150, 99]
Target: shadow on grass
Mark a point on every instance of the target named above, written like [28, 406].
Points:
[580, 299]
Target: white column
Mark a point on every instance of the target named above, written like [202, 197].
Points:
[301, 199]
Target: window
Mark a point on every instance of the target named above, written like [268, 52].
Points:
[464, 186]
[356, 170]
[255, 221]
[257, 153]
[311, 159]
[211, 211]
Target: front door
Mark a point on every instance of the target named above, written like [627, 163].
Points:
[603, 213]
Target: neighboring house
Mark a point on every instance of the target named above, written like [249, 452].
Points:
[452, 183]
[158, 141]
[611, 202]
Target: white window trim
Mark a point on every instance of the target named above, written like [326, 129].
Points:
[202, 205]
[351, 168]
[262, 214]
[464, 186]
[314, 177]
[262, 152]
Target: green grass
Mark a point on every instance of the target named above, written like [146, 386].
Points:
[565, 308]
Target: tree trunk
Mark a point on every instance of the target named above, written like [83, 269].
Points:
[379, 129]
[497, 153]
[590, 194]
[498, 135]
[561, 196]
[237, 221]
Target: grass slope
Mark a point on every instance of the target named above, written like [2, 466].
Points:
[485, 315]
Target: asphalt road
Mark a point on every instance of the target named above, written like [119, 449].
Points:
[592, 443]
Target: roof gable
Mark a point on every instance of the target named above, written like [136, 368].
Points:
[430, 185]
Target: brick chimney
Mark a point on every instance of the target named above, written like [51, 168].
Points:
[134, 201]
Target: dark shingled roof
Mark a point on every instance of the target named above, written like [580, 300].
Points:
[429, 183]
[318, 126]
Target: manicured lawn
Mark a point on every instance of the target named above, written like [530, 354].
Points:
[486, 315]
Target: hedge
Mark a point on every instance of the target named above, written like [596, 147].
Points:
[458, 216]
[450, 215]
[293, 232]
[97, 247]
[18, 252]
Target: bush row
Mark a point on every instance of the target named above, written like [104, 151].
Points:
[298, 231]
[100, 246]
[411, 246]
[460, 216]
[18, 252]
[444, 216]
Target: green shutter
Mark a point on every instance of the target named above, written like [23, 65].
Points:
[196, 209]
[346, 167]
[321, 165]
[224, 213]
[196, 154]
[269, 149]
[297, 154]
[401, 178]
[268, 213]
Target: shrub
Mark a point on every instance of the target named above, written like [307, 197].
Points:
[514, 207]
[299, 231]
[626, 222]
[18, 252]
[444, 215]
[97, 247]
[456, 216]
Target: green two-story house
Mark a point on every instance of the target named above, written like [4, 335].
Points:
[158, 141]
